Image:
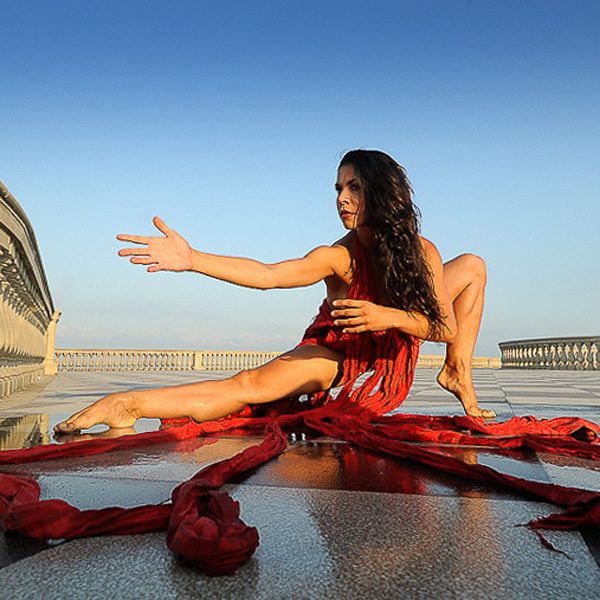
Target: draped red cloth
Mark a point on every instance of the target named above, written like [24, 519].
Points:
[389, 357]
[203, 525]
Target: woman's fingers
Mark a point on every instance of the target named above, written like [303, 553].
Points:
[347, 312]
[144, 239]
[160, 225]
[350, 321]
[134, 252]
[357, 329]
[143, 260]
[348, 303]
[134, 239]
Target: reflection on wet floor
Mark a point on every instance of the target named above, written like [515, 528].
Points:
[29, 430]
[340, 466]
[23, 431]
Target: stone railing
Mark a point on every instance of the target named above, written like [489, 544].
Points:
[72, 359]
[575, 353]
[435, 362]
[27, 315]
[69, 359]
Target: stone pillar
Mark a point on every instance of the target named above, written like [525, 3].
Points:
[197, 363]
[50, 366]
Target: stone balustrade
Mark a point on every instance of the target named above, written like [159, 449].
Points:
[435, 362]
[72, 359]
[27, 315]
[573, 353]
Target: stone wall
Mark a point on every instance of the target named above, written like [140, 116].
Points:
[27, 315]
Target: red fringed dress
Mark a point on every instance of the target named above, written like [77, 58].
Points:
[388, 356]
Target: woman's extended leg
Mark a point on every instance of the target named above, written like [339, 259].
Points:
[465, 279]
[303, 370]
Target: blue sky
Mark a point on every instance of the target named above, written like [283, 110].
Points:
[228, 119]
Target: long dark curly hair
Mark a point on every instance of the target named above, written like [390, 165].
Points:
[394, 221]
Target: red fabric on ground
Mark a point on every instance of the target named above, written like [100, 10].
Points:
[203, 527]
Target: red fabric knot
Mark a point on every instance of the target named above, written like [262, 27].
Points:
[205, 529]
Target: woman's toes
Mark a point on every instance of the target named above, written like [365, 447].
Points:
[80, 420]
[65, 427]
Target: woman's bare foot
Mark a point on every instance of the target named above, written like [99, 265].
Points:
[114, 410]
[461, 385]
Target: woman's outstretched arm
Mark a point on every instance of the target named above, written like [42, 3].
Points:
[171, 252]
[357, 316]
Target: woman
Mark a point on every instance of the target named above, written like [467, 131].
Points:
[417, 298]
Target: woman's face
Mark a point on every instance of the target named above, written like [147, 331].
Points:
[351, 203]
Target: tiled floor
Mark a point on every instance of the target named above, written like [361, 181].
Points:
[335, 521]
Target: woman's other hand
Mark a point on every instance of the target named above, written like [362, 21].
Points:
[357, 316]
[168, 253]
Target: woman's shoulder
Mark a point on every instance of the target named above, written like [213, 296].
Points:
[428, 246]
[342, 252]
[430, 251]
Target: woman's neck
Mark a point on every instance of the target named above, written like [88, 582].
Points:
[365, 235]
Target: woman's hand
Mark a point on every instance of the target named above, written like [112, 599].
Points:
[356, 316]
[168, 253]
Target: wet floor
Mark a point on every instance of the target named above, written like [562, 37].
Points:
[335, 520]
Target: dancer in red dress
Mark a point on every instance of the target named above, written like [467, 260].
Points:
[387, 289]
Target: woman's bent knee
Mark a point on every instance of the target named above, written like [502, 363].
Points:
[476, 266]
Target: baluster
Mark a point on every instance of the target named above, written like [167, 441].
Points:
[584, 355]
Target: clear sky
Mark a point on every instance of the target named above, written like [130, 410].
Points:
[228, 119]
